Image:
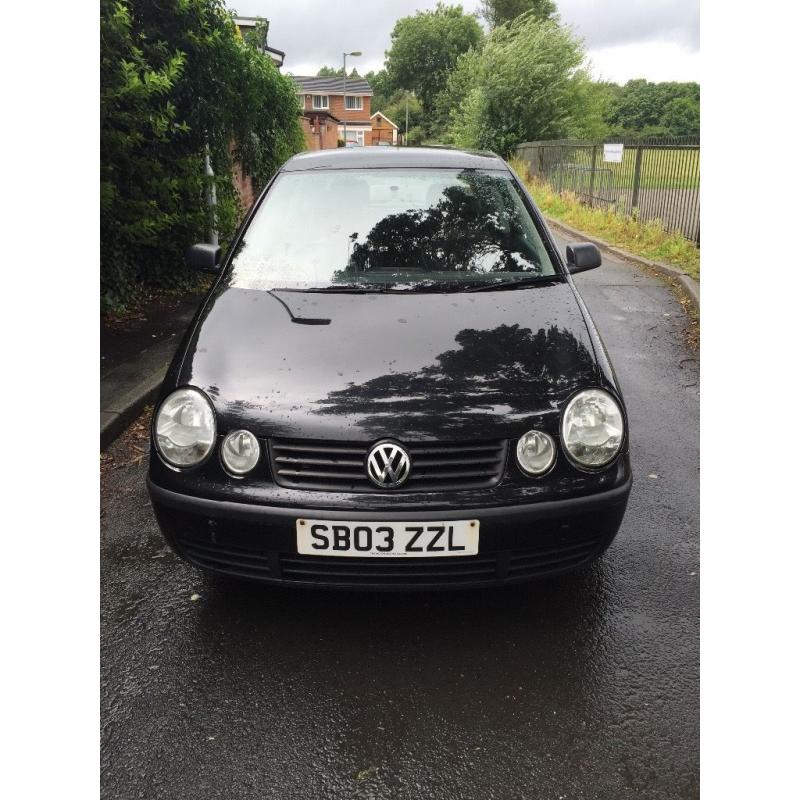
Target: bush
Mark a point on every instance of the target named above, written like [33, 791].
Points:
[526, 84]
[175, 78]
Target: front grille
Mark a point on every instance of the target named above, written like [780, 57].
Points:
[529, 562]
[541, 560]
[247, 558]
[235, 560]
[340, 466]
[354, 571]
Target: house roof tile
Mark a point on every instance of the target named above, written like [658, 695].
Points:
[314, 85]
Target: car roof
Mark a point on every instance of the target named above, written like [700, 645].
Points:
[383, 157]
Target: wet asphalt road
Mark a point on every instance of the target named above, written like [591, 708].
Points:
[584, 686]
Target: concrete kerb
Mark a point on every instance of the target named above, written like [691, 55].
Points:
[127, 389]
[113, 423]
[684, 284]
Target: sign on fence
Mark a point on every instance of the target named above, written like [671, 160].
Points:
[612, 153]
[653, 178]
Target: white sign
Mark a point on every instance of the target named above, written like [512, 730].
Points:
[612, 153]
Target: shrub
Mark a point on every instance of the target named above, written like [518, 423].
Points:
[526, 84]
[175, 78]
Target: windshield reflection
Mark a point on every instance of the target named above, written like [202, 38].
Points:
[475, 227]
[389, 229]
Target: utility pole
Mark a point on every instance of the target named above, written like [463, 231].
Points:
[405, 138]
[344, 89]
[212, 199]
[344, 95]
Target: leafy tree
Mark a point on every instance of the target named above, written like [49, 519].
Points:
[379, 81]
[509, 363]
[416, 136]
[656, 109]
[607, 96]
[332, 72]
[395, 109]
[460, 82]
[176, 77]
[498, 12]
[425, 49]
[528, 84]
[473, 227]
[681, 117]
[589, 104]
[257, 36]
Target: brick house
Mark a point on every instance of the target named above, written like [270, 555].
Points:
[325, 109]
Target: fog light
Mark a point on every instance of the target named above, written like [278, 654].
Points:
[240, 452]
[536, 452]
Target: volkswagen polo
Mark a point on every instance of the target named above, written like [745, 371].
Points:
[393, 383]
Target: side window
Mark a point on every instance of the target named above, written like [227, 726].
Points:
[320, 101]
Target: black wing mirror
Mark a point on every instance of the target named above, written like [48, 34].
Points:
[204, 257]
[582, 256]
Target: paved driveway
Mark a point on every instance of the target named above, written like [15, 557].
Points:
[579, 687]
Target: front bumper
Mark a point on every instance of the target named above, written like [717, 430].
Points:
[517, 543]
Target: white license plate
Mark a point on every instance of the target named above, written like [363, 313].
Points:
[381, 539]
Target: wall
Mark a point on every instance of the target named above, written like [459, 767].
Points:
[244, 186]
[320, 133]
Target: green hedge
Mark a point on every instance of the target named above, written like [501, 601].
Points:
[176, 76]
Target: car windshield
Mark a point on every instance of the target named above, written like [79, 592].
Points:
[390, 229]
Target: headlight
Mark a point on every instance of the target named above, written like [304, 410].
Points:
[592, 428]
[185, 428]
[240, 452]
[536, 452]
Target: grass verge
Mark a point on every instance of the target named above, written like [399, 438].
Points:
[646, 239]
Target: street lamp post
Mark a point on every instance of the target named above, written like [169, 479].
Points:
[344, 92]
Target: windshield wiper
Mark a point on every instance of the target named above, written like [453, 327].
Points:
[299, 320]
[520, 283]
[345, 288]
[446, 287]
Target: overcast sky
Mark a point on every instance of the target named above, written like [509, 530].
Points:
[654, 39]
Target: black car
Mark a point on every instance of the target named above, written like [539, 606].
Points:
[392, 384]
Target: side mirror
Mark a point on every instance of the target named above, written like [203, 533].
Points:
[582, 256]
[204, 257]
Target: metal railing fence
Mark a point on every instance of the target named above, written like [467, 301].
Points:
[653, 179]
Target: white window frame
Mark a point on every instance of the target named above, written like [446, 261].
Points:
[320, 98]
[354, 97]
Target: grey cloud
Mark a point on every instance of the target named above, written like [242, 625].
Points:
[315, 32]
[617, 22]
